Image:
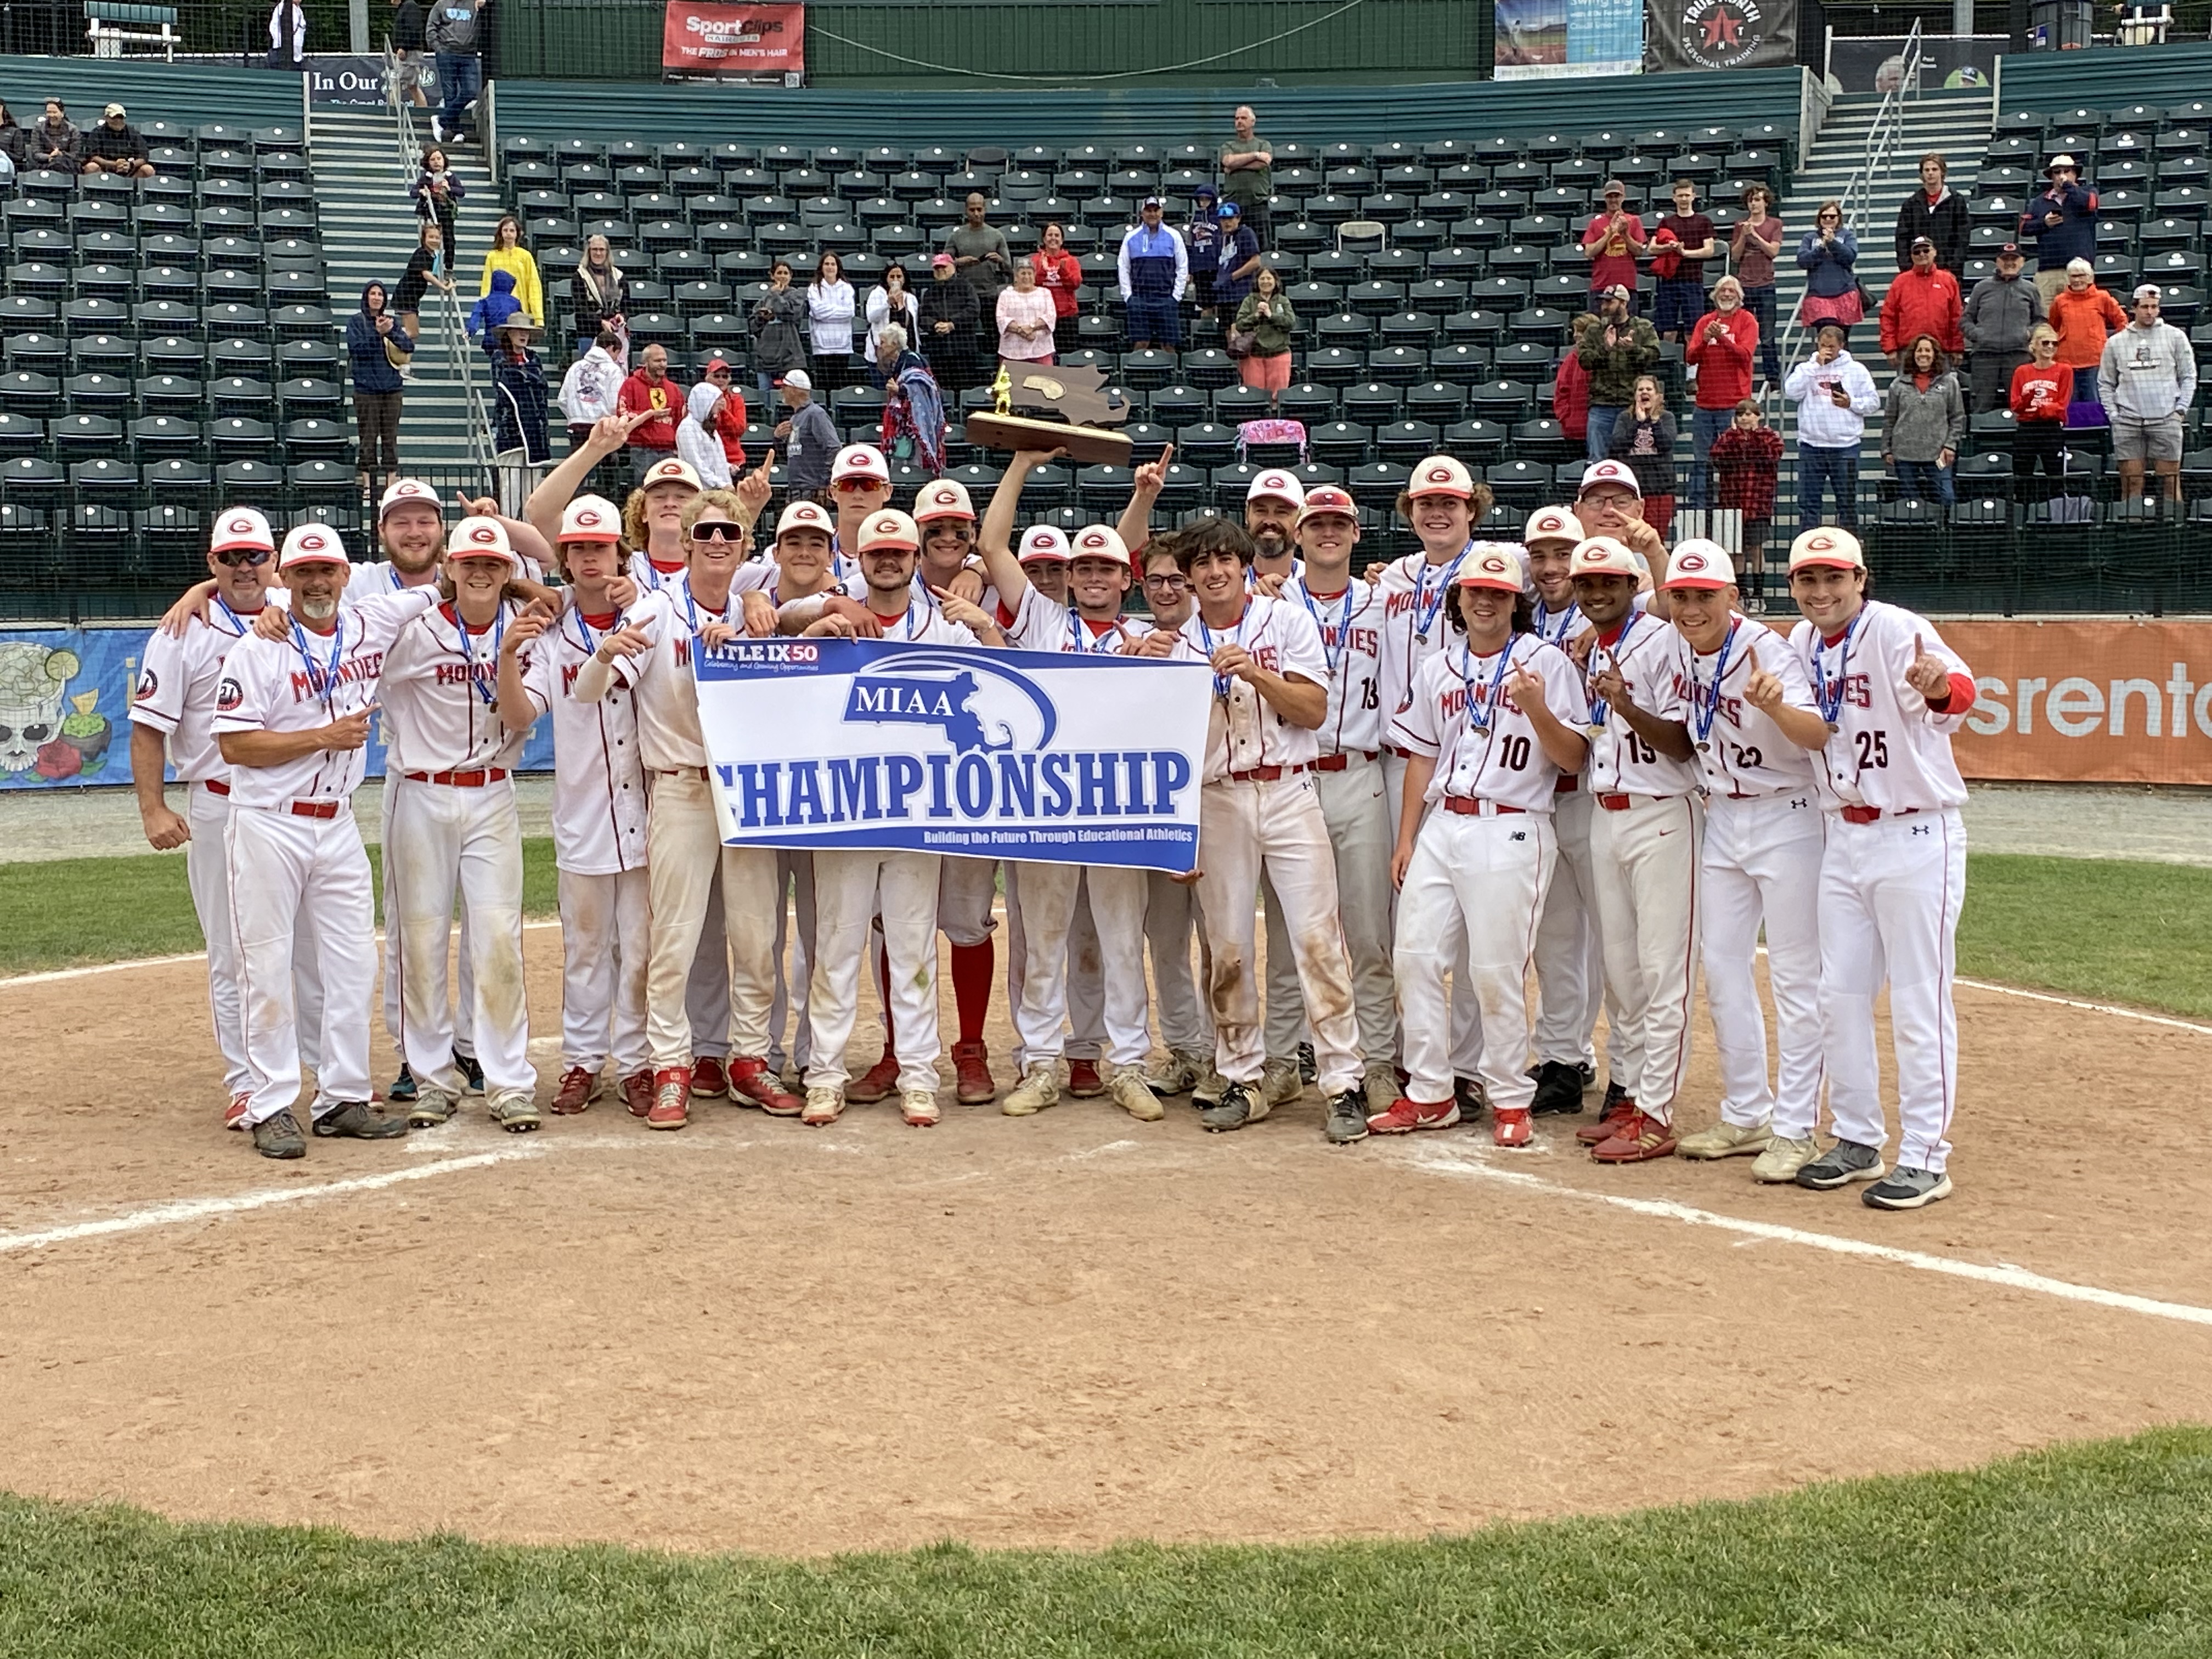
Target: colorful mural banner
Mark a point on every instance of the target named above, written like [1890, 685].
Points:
[1536, 39]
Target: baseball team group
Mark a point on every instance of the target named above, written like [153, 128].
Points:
[1572, 753]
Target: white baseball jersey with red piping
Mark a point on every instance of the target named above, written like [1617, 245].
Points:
[1350, 626]
[1741, 751]
[1654, 660]
[442, 684]
[1889, 749]
[1244, 730]
[1414, 593]
[598, 782]
[1496, 756]
[176, 690]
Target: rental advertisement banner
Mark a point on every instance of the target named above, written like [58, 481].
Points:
[2088, 701]
[875, 744]
[1719, 34]
[65, 709]
[710, 40]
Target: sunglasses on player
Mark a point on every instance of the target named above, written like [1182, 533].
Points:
[251, 556]
[720, 530]
[853, 486]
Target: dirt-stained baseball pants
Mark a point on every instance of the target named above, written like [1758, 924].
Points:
[1570, 982]
[848, 886]
[1358, 820]
[684, 853]
[464, 986]
[1171, 917]
[1465, 1015]
[606, 942]
[1050, 895]
[794, 934]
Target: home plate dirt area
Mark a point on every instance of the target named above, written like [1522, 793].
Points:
[1064, 1330]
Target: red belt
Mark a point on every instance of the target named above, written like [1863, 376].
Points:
[1402, 754]
[1468, 807]
[1869, 814]
[1568, 784]
[461, 780]
[217, 786]
[699, 772]
[314, 808]
[1622, 803]
[1268, 773]
[1337, 763]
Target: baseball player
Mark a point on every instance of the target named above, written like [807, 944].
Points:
[1493, 718]
[1753, 719]
[859, 483]
[1644, 845]
[1349, 779]
[1891, 693]
[1610, 502]
[850, 886]
[1260, 814]
[172, 713]
[1569, 964]
[454, 822]
[652, 522]
[293, 708]
[650, 656]
[599, 814]
[1443, 502]
[1272, 501]
[1049, 895]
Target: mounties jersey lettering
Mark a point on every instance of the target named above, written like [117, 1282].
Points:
[307, 684]
[1358, 640]
[461, 673]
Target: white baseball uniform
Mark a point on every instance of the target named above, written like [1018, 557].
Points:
[1892, 877]
[1762, 864]
[598, 850]
[293, 846]
[1259, 813]
[1475, 887]
[1644, 859]
[1172, 920]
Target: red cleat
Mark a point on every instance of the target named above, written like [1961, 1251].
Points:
[1510, 1128]
[637, 1093]
[1083, 1080]
[751, 1083]
[234, 1115]
[671, 1098]
[880, 1080]
[578, 1087]
[1638, 1140]
[1620, 1111]
[1407, 1115]
[972, 1083]
[708, 1080]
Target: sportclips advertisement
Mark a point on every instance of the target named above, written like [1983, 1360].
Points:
[733, 40]
[873, 744]
[1720, 34]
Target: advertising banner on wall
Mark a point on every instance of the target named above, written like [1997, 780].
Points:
[1719, 34]
[735, 41]
[1875, 63]
[2088, 701]
[1539, 37]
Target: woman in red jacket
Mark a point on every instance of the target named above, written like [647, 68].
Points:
[1059, 274]
[1571, 384]
[1724, 344]
[2041, 389]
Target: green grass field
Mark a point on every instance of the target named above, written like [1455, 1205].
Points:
[2102, 1548]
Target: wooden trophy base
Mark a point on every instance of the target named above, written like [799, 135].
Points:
[1087, 446]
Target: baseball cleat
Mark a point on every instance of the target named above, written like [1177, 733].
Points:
[1616, 1113]
[637, 1093]
[1559, 1088]
[1169, 1073]
[671, 1098]
[1134, 1096]
[402, 1087]
[234, 1115]
[357, 1120]
[1280, 1083]
[1614, 1094]
[825, 1104]
[919, 1108]
[1407, 1115]
[1783, 1158]
[1907, 1189]
[751, 1083]
[1084, 1082]
[432, 1107]
[1208, 1087]
[1509, 1126]
[1841, 1164]
[1308, 1066]
[972, 1082]
[1038, 1089]
[472, 1073]
[1236, 1109]
[874, 1085]
[1473, 1097]
[1347, 1118]
[1381, 1086]
[514, 1111]
[278, 1136]
[579, 1088]
[1727, 1140]
[1637, 1139]
[710, 1080]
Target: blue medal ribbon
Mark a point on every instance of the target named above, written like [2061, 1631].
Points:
[1543, 622]
[1489, 702]
[1221, 682]
[490, 695]
[1425, 608]
[1081, 639]
[328, 677]
[1706, 705]
[1829, 694]
[1334, 654]
[1597, 709]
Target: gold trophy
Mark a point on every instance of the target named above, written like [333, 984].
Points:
[1041, 407]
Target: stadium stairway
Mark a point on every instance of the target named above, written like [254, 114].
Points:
[368, 231]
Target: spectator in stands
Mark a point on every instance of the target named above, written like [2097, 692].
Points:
[650, 391]
[1248, 175]
[1613, 239]
[488, 315]
[829, 311]
[2001, 312]
[15, 146]
[376, 346]
[438, 192]
[54, 141]
[1723, 344]
[114, 147]
[1643, 437]
[453, 34]
[1025, 319]
[426, 269]
[1237, 262]
[1747, 462]
[2146, 381]
[1266, 316]
[1201, 241]
[521, 448]
[1922, 300]
[1155, 272]
[1616, 350]
[889, 302]
[408, 46]
[1834, 394]
[2062, 223]
[1570, 382]
[949, 313]
[711, 437]
[1828, 253]
[1681, 295]
[2042, 387]
[1923, 422]
[509, 254]
[598, 295]
[980, 257]
[1059, 274]
[809, 440]
[2084, 316]
[779, 325]
[913, 404]
[287, 35]
[1938, 213]
[592, 388]
[1753, 246]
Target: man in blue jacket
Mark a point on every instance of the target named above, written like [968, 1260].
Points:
[2062, 221]
[1155, 271]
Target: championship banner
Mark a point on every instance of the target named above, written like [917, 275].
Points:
[2087, 701]
[1027, 754]
[710, 40]
[1719, 34]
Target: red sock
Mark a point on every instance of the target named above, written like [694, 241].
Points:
[883, 989]
[973, 968]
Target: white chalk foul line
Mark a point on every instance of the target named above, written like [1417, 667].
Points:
[53, 974]
[197, 1209]
[2086, 1007]
[2019, 1279]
